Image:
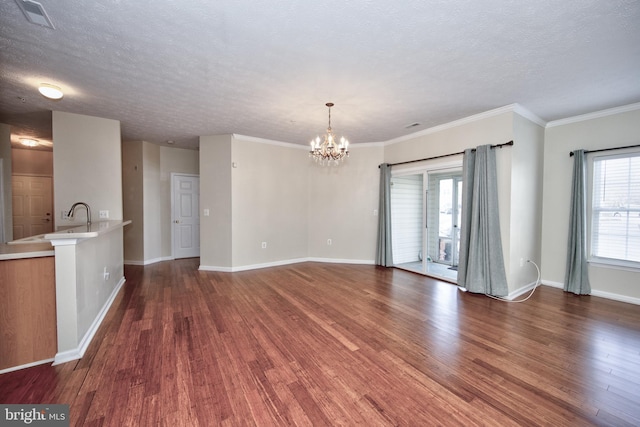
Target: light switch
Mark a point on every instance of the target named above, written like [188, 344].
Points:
[205, 212]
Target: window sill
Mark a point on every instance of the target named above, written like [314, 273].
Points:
[615, 264]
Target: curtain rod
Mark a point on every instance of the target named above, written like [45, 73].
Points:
[445, 155]
[607, 149]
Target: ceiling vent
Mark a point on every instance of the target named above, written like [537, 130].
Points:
[35, 13]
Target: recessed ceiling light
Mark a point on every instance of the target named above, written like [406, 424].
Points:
[171, 142]
[29, 142]
[50, 91]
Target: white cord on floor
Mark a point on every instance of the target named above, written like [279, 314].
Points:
[530, 293]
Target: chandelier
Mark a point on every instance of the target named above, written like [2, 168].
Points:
[329, 150]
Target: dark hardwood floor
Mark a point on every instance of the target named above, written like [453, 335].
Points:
[325, 344]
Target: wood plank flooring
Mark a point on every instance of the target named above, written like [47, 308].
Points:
[325, 344]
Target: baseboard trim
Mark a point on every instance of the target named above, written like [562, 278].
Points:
[597, 293]
[616, 297]
[558, 285]
[523, 290]
[343, 261]
[26, 365]
[149, 261]
[283, 262]
[77, 353]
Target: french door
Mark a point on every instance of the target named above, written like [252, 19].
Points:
[425, 216]
[445, 239]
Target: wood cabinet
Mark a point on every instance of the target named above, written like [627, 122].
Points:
[27, 311]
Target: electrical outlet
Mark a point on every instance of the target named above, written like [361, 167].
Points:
[104, 214]
[64, 215]
[106, 274]
[328, 242]
[205, 212]
[264, 245]
[521, 262]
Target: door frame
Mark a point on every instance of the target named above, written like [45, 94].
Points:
[425, 169]
[455, 175]
[172, 216]
[51, 189]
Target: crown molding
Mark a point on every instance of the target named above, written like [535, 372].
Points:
[595, 115]
[527, 114]
[470, 119]
[512, 108]
[270, 142]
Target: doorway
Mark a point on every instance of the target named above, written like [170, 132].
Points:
[32, 205]
[185, 223]
[445, 215]
[425, 216]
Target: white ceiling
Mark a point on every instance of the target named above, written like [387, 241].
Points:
[175, 70]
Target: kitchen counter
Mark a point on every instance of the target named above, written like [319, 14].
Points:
[86, 231]
[27, 250]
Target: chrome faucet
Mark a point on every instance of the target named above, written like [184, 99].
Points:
[73, 207]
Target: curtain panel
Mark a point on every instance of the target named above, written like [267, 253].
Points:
[384, 256]
[576, 278]
[481, 264]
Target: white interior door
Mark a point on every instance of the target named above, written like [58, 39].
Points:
[186, 215]
[32, 205]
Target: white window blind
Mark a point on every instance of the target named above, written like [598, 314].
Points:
[615, 216]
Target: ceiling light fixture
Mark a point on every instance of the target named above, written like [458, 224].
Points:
[50, 91]
[35, 13]
[29, 142]
[328, 150]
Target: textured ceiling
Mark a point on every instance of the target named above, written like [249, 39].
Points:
[174, 70]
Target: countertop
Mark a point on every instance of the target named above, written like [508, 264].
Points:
[27, 250]
[43, 246]
[87, 231]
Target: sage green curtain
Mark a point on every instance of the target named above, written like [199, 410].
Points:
[481, 264]
[576, 278]
[384, 255]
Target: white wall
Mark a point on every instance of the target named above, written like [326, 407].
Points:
[215, 195]
[147, 170]
[172, 160]
[132, 204]
[87, 166]
[93, 290]
[277, 195]
[591, 132]
[32, 162]
[7, 210]
[525, 225]
[151, 202]
[260, 200]
[341, 203]
[269, 197]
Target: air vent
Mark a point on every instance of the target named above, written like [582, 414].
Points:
[412, 125]
[35, 13]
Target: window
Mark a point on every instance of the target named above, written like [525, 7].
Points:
[615, 215]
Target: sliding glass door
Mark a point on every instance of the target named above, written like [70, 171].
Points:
[425, 218]
[407, 221]
[446, 236]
